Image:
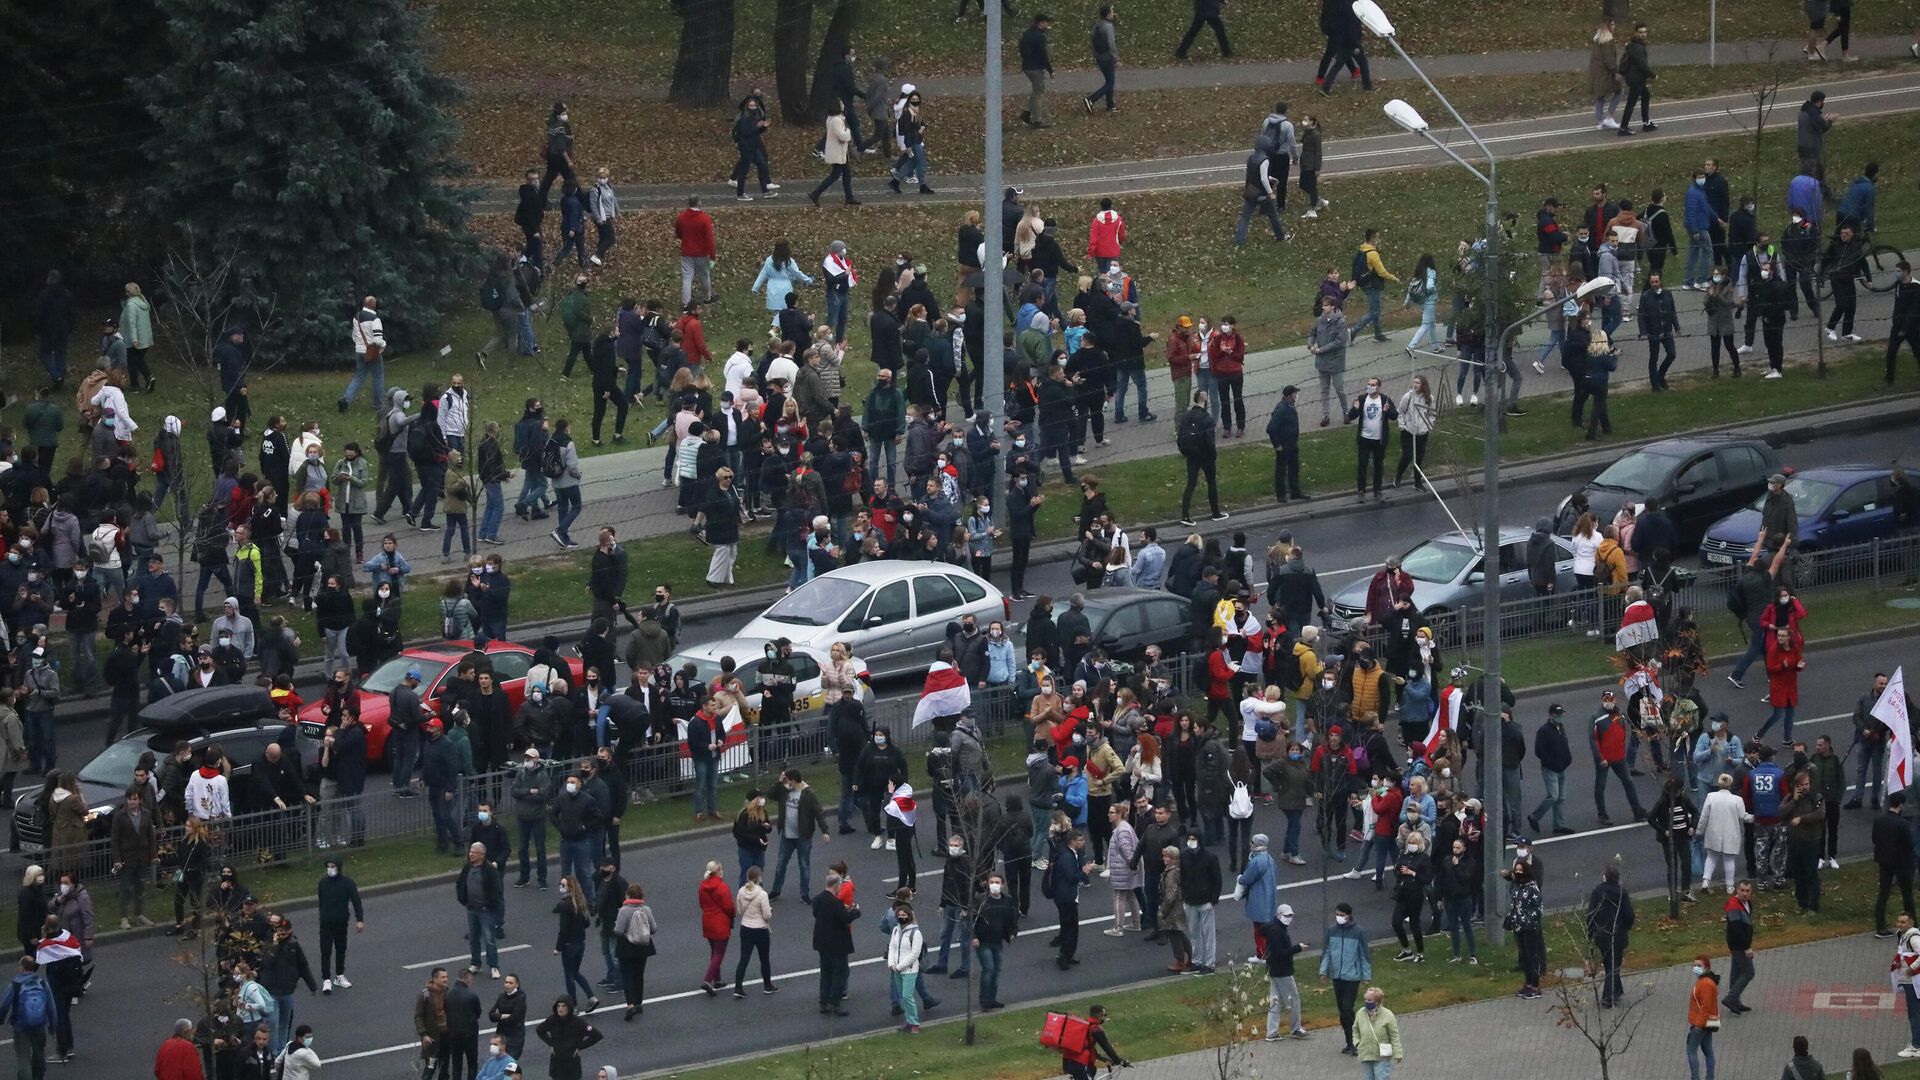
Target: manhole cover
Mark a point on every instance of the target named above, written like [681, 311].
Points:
[1909, 602]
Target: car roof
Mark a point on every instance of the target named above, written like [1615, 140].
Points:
[1509, 534]
[881, 570]
[1689, 443]
[742, 649]
[1105, 599]
[1845, 474]
[209, 706]
[454, 650]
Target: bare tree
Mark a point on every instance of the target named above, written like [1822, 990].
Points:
[1765, 92]
[1608, 1028]
[199, 303]
[981, 825]
[1232, 1018]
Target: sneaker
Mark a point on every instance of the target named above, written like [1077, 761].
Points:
[1459, 400]
[1273, 1036]
[493, 973]
[1737, 684]
[1883, 934]
[1220, 515]
[1649, 126]
[326, 986]
[1188, 522]
[743, 198]
[1352, 875]
[1855, 338]
[1310, 215]
[877, 841]
[341, 982]
[1300, 1033]
[1609, 124]
[1832, 334]
[1774, 374]
[1404, 954]
[556, 538]
[771, 187]
[1110, 932]
[126, 924]
[1744, 349]
[892, 844]
[1911, 1052]
[1539, 368]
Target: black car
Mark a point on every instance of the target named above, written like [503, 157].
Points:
[1699, 480]
[1125, 621]
[242, 719]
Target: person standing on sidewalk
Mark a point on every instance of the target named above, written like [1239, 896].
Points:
[1636, 72]
[1739, 920]
[1283, 433]
[1205, 13]
[1703, 1016]
[1195, 440]
[1893, 855]
[1904, 969]
[1327, 341]
[1346, 961]
[1371, 277]
[1371, 412]
[1377, 1034]
[1843, 262]
[1037, 66]
[1106, 57]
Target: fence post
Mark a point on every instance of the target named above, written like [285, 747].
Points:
[1874, 554]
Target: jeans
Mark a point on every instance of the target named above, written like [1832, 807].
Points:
[1781, 714]
[1377, 1070]
[209, 574]
[576, 861]
[706, 786]
[53, 357]
[40, 742]
[837, 313]
[480, 938]
[989, 973]
[569, 500]
[282, 1021]
[749, 858]
[954, 921]
[1460, 920]
[882, 447]
[30, 1051]
[406, 753]
[1510, 801]
[1699, 1040]
[1266, 209]
[1619, 769]
[570, 956]
[445, 805]
[1756, 648]
[1699, 257]
[1283, 996]
[491, 514]
[362, 371]
[533, 838]
[1134, 372]
[1108, 65]
[1740, 974]
[534, 489]
[1371, 317]
[527, 345]
[1428, 311]
[913, 162]
[456, 522]
[1871, 770]
[1913, 1014]
[1290, 844]
[788, 848]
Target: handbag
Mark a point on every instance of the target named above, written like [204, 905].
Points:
[1713, 1023]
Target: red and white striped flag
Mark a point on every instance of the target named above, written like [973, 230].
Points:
[1447, 717]
[1637, 626]
[945, 694]
[1891, 710]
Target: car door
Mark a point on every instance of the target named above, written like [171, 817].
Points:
[510, 669]
[1513, 571]
[1743, 476]
[1859, 514]
[885, 620]
[1123, 632]
[936, 602]
[1694, 497]
[1166, 624]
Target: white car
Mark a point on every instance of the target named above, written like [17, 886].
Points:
[749, 653]
[893, 613]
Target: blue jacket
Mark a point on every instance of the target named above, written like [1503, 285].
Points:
[1001, 662]
[1858, 203]
[495, 1068]
[1150, 567]
[1260, 881]
[1699, 213]
[1803, 194]
[573, 213]
[1075, 791]
[1347, 956]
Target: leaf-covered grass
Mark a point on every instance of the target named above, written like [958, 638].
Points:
[657, 143]
[589, 41]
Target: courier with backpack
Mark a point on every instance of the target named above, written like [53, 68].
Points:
[1082, 1044]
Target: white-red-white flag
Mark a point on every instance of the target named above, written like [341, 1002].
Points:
[1891, 710]
[1447, 717]
[945, 694]
[1637, 626]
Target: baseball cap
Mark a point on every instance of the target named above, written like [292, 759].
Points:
[532, 753]
[1069, 762]
[435, 725]
[1556, 709]
[1777, 478]
[414, 674]
[1185, 322]
[1286, 914]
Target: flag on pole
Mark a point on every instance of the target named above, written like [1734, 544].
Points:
[1447, 717]
[1637, 626]
[945, 694]
[1891, 710]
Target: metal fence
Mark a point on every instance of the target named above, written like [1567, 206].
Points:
[661, 771]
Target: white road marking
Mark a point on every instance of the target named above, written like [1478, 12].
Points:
[457, 959]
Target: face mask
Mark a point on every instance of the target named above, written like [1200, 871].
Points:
[1699, 181]
[493, 1051]
[1719, 278]
[65, 888]
[1446, 773]
[943, 463]
[1524, 853]
[1192, 845]
[1797, 219]
[1021, 444]
[954, 849]
[1341, 920]
[1046, 688]
[994, 887]
[333, 871]
[573, 788]
[484, 817]
[1372, 1005]
[1326, 684]
[879, 740]
[385, 593]
[1293, 757]
[1698, 971]
[1748, 207]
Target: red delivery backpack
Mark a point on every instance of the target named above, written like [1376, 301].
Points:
[1070, 1035]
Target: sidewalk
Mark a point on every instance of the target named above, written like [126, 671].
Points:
[1692, 118]
[1835, 992]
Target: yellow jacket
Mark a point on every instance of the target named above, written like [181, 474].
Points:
[1374, 264]
[1310, 666]
[1610, 568]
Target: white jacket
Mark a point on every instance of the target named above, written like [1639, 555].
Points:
[453, 412]
[207, 797]
[904, 947]
[1720, 819]
[366, 329]
[299, 1063]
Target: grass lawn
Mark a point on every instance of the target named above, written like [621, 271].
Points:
[1168, 1018]
[662, 143]
[601, 40]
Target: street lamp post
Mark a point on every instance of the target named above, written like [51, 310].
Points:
[1493, 364]
[992, 283]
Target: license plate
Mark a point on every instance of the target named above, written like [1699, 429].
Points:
[1716, 557]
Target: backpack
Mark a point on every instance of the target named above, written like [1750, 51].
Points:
[419, 439]
[1363, 275]
[1240, 805]
[1286, 671]
[1419, 291]
[33, 1005]
[449, 625]
[552, 465]
[1193, 432]
[1068, 1034]
[1627, 250]
[1737, 600]
[1265, 730]
[492, 296]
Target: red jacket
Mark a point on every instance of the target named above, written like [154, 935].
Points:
[1612, 743]
[1105, 235]
[716, 908]
[695, 230]
[177, 1060]
[1783, 673]
[1227, 353]
[1386, 811]
[1383, 590]
[1181, 355]
[1219, 675]
[693, 339]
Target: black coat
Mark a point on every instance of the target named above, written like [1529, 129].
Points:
[832, 925]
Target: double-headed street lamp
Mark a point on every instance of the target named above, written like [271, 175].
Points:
[1494, 364]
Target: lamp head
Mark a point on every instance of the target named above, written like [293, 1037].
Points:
[1373, 18]
[1594, 286]
[1399, 111]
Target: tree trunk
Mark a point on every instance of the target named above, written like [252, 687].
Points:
[832, 47]
[792, 36]
[703, 70]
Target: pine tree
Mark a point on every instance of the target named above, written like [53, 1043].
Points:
[310, 140]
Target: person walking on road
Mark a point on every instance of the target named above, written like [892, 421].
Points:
[1106, 57]
[797, 819]
[633, 931]
[478, 888]
[904, 948]
[1637, 72]
[1037, 65]
[1555, 756]
[754, 913]
[716, 922]
[570, 944]
[833, 920]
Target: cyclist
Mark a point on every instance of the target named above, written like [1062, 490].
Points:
[1080, 1065]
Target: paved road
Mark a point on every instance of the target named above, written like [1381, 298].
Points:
[1834, 992]
[366, 1030]
[1679, 120]
[1201, 76]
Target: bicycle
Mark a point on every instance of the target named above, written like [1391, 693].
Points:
[1877, 271]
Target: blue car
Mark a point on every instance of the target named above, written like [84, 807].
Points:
[1845, 504]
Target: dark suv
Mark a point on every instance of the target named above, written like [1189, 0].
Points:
[242, 719]
[1699, 480]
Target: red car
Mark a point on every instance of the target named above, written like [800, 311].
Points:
[436, 662]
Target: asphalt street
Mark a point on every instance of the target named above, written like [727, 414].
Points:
[367, 1030]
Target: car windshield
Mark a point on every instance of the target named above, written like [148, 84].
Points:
[819, 602]
[1438, 560]
[1640, 471]
[1809, 496]
[114, 766]
[388, 675]
[706, 668]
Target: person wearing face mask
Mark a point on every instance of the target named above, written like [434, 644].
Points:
[1703, 1016]
[994, 926]
[1346, 961]
[1200, 885]
[569, 1035]
[879, 762]
[498, 1064]
[339, 897]
[576, 817]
